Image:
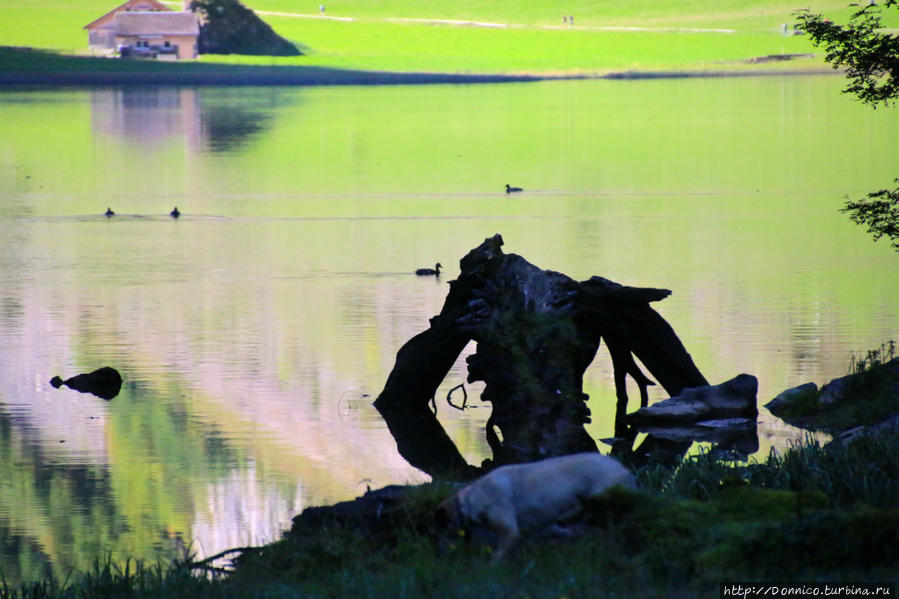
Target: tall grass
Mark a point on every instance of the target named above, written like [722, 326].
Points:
[863, 472]
[108, 578]
[873, 358]
[870, 376]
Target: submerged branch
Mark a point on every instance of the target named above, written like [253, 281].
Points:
[206, 564]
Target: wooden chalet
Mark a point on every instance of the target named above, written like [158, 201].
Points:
[145, 28]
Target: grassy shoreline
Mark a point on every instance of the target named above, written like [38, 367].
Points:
[357, 42]
[32, 67]
[813, 514]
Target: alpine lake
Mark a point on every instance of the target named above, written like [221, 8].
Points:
[254, 332]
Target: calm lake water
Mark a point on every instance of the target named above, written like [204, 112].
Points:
[254, 332]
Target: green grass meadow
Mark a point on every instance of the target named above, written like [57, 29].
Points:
[400, 35]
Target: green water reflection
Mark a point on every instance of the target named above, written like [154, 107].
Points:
[254, 332]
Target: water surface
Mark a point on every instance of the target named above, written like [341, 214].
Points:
[254, 332]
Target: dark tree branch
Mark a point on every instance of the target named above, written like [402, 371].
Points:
[870, 56]
[871, 59]
[879, 212]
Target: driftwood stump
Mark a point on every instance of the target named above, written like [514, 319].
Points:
[536, 331]
[105, 382]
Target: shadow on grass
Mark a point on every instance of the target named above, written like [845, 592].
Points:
[27, 66]
[30, 67]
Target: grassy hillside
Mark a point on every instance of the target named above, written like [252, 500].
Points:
[690, 13]
[509, 36]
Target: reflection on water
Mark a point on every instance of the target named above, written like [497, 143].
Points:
[253, 333]
[148, 116]
[225, 127]
[201, 118]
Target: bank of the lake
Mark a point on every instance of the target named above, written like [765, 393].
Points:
[467, 37]
[813, 515]
[30, 67]
[34, 67]
[449, 42]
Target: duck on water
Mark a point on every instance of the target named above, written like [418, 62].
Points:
[433, 272]
[510, 189]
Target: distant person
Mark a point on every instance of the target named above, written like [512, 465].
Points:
[570, 20]
[321, 8]
[564, 20]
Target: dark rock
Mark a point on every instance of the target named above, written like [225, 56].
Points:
[105, 382]
[846, 437]
[790, 398]
[735, 398]
[874, 393]
[835, 391]
[378, 514]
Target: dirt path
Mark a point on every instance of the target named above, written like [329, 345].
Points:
[491, 25]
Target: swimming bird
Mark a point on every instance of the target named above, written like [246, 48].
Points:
[175, 213]
[109, 212]
[434, 272]
[510, 189]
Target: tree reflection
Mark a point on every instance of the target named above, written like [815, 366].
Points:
[58, 514]
[216, 120]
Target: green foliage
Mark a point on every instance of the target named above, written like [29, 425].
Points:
[774, 517]
[228, 27]
[816, 544]
[869, 371]
[879, 212]
[863, 472]
[696, 477]
[871, 57]
[107, 578]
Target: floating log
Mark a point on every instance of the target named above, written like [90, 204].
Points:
[105, 382]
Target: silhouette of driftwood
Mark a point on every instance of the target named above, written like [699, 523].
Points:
[536, 331]
[630, 327]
